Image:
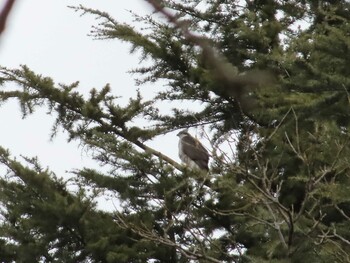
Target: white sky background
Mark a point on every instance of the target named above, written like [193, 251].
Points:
[52, 40]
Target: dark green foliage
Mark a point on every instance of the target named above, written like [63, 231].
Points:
[278, 95]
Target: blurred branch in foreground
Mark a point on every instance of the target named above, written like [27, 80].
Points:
[5, 13]
[231, 83]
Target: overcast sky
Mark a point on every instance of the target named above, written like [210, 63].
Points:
[52, 40]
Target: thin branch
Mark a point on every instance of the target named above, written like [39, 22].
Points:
[276, 225]
[150, 235]
[232, 212]
[340, 237]
[279, 125]
[342, 212]
[159, 155]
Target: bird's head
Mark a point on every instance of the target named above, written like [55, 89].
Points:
[182, 133]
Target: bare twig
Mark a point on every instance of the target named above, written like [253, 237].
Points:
[342, 212]
[279, 125]
[277, 225]
[150, 235]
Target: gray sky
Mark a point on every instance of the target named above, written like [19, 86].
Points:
[52, 40]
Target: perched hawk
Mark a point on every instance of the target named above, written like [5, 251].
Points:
[192, 152]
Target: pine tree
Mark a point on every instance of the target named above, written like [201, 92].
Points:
[275, 92]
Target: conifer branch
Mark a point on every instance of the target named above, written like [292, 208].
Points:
[45, 90]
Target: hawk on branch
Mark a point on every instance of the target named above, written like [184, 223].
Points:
[192, 152]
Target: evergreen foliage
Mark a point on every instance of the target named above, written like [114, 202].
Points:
[276, 92]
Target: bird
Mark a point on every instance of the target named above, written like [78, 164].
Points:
[192, 152]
